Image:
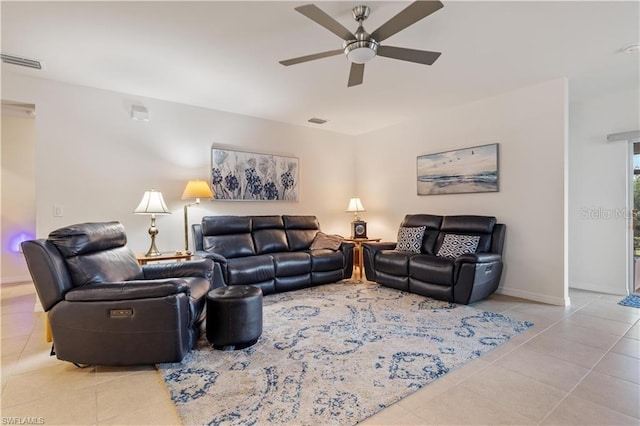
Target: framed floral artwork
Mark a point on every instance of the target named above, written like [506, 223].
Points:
[252, 176]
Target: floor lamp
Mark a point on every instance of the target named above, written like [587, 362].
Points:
[195, 189]
[152, 203]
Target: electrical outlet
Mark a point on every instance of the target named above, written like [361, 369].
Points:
[58, 210]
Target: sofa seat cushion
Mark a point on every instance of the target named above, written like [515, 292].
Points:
[248, 270]
[432, 269]
[393, 262]
[292, 263]
[326, 260]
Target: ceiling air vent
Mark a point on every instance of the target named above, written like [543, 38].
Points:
[23, 62]
[317, 120]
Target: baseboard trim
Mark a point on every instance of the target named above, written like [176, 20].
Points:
[16, 279]
[596, 288]
[536, 297]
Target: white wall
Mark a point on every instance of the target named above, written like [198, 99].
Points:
[18, 193]
[530, 126]
[599, 219]
[93, 160]
[96, 162]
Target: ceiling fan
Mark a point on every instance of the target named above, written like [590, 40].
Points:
[360, 47]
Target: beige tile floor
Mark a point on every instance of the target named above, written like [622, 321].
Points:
[578, 365]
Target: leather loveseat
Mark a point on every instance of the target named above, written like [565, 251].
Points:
[270, 252]
[432, 264]
[104, 308]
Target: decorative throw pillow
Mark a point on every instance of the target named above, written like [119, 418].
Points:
[410, 238]
[326, 241]
[454, 245]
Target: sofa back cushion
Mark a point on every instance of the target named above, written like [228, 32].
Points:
[96, 253]
[268, 234]
[432, 228]
[300, 230]
[228, 236]
[480, 226]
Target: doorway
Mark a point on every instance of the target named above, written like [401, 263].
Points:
[635, 218]
[18, 170]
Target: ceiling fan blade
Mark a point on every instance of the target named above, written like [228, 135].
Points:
[412, 55]
[313, 57]
[356, 74]
[409, 16]
[318, 16]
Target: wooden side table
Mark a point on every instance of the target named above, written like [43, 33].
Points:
[177, 256]
[360, 258]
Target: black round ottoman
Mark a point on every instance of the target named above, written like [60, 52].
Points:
[234, 316]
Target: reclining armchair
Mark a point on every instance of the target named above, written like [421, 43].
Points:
[104, 308]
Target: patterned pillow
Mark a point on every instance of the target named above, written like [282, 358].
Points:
[410, 238]
[454, 245]
[326, 241]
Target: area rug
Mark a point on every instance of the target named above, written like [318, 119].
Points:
[333, 354]
[632, 300]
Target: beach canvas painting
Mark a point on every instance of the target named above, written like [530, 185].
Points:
[461, 171]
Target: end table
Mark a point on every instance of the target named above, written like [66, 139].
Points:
[360, 258]
[177, 256]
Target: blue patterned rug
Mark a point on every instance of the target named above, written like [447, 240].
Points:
[333, 354]
[632, 300]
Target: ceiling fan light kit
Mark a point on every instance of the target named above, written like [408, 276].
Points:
[361, 47]
[360, 52]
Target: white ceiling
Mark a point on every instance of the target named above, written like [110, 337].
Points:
[224, 55]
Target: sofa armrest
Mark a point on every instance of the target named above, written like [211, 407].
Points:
[369, 251]
[478, 258]
[195, 268]
[384, 245]
[220, 271]
[128, 290]
[347, 249]
[213, 256]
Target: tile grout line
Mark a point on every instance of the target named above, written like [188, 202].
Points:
[592, 369]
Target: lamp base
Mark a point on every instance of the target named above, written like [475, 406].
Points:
[153, 250]
[153, 231]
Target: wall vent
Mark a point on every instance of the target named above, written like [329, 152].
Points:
[23, 62]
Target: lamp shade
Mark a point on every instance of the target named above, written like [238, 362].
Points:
[355, 205]
[197, 189]
[152, 203]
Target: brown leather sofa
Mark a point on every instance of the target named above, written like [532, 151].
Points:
[431, 268]
[104, 308]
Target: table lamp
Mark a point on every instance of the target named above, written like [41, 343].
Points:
[195, 189]
[152, 203]
[358, 226]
